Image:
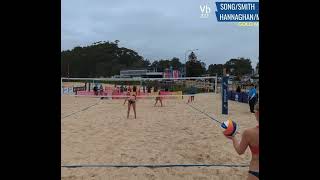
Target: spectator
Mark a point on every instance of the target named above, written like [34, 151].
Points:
[95, 89]
[252, 97]
[238, 89]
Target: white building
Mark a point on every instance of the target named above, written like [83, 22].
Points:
[143, 73]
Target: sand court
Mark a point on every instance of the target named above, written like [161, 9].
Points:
[173, 134]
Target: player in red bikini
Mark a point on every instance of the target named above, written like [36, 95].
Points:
[250, 137]
[132, 97]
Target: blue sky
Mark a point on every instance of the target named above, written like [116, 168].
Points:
[157, 29]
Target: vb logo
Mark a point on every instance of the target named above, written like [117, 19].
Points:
[205, 11]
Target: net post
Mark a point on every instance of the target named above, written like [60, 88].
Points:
[224, 93]
[61, 87]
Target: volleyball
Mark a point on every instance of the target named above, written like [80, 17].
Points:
[230, 128]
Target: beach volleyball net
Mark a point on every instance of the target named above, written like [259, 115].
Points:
[147, 88]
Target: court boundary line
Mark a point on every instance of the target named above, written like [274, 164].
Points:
[84, 109]
[150, 165]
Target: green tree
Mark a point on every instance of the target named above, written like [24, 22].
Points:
[192, 57]
[214, 69]
[195, 69]
[100, 59]
[162, 64]
[239, 66]
[194, 66]
[175, 63]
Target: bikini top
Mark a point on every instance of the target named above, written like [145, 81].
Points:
[132, 96]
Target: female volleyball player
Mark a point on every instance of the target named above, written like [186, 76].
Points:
[127, 98]
[250, 137]
[132, 102]
[158, 98]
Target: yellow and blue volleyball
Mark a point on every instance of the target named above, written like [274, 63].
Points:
[230, 128]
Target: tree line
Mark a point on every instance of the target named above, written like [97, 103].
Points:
[105, 59]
